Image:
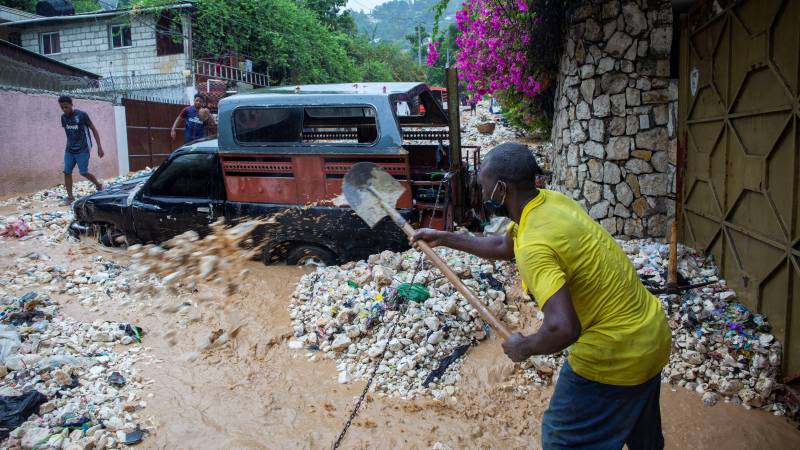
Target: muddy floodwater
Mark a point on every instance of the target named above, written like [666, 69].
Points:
[254, 392]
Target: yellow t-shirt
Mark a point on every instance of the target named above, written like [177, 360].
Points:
[625, 338]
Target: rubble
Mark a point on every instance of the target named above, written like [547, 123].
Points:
[54, 196]
[503, 132]
[720, 348]
[348, 313]
[70, 363]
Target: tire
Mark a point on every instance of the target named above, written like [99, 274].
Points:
[109, 236]
[310, 255]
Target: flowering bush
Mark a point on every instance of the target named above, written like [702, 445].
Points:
[493, 45]
[509, 48]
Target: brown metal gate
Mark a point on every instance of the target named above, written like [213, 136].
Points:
[148, 127]
[740, 72]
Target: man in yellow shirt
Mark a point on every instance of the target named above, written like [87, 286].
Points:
[594, 304]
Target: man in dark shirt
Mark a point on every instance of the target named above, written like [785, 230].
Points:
[194, 126]
[77, 124]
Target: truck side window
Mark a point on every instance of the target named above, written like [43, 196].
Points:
[267, 125]
[192, 175]
[340, 125]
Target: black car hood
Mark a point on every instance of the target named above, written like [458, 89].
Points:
[118, 194]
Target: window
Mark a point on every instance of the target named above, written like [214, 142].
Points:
[169, 34]
[340, 125]
[119, 36]
[267, 125]
[15, 38]
[49, 43]
[193, 175]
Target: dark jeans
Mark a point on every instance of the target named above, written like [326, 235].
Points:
[586, 414]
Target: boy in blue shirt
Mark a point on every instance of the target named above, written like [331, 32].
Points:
[77, 124]
[194, 126]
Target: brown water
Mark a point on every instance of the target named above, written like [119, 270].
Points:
[254, 392]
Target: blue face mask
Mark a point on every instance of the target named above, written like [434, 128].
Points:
[494, 207]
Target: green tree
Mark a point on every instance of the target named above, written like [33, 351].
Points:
[30, 5]
[24, 5]
[295, 42]
[333, 14]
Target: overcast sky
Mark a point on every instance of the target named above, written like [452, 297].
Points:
[364, 5]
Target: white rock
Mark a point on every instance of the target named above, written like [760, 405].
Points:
[382, 275]
[341, 342]
[33, 437]
[432, 323]
[436, 337]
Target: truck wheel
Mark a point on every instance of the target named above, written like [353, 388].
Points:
[109, 236]
[310, 255]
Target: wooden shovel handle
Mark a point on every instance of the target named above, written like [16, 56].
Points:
[485, 314]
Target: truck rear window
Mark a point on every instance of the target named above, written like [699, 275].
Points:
[317, 125]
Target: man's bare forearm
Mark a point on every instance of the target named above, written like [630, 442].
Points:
[488, 247]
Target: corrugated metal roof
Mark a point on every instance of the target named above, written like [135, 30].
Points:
[89, 16]
[14, 15]
[43, 62]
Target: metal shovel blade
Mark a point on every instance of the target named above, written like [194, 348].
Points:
[363, 182]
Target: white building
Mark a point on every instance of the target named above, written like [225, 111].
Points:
[142, 53]
[147, 51]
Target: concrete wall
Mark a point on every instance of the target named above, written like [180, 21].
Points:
[615, 114]
[86, 45]
[32, 141]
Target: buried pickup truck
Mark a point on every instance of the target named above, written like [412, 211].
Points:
[282, 153]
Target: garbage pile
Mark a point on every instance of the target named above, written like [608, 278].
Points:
[51, 224]
[396, 311]
[66, 384]
[721, 349]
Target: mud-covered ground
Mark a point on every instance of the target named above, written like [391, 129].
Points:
[253, 392]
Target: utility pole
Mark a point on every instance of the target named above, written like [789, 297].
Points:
[419, 45]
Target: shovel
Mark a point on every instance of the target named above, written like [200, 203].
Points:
[373, 194]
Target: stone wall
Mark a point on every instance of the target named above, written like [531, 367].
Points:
[615, 115]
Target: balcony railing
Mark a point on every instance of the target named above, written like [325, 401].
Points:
[229, 73]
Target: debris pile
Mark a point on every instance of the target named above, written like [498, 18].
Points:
[392, 304]
[56, 195]
[720, 348]
[503, 132]
[52, 224]
[99, 280]
[89, 394]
